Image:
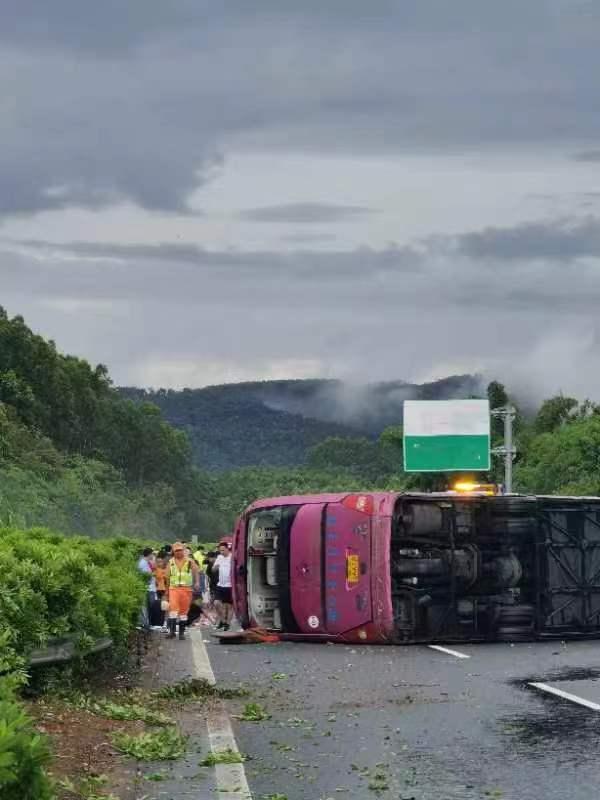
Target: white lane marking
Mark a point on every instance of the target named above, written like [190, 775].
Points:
[231, 778]
[448, 651]
[202, 665]
[566, 695]
[232, 783]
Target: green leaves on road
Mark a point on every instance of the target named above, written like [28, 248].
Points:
[199, 689]
[165, 745]
[123, 711]
[223, 757]
[253, 712]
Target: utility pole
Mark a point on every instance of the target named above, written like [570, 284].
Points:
[508, 450]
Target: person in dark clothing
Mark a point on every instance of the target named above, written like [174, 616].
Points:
[212, 574]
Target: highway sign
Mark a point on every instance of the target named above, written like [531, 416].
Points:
[446, 435]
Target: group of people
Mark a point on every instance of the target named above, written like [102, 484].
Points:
[184, 586]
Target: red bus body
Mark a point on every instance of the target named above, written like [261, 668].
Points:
[390, 567]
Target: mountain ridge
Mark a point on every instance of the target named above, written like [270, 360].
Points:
[275, 423]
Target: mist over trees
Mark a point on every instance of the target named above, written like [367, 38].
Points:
[79, 456]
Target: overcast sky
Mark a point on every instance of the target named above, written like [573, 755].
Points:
[197, 192]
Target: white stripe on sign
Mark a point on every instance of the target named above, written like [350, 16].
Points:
[446, 418]
[232, 783]
[448, 651]
[566, 695]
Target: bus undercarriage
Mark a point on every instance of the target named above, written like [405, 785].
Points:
[495, 568]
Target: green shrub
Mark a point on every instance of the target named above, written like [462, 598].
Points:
[56, 586]
[23, 752]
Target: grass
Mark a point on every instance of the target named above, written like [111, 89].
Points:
[379, 783]
[123, 711]
[156, 776]
[167, 744]
[253, 712]
[88, 788]
[199, 689]
[282, 747]
[223, 757]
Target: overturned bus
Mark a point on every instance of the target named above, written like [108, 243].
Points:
[399, 568]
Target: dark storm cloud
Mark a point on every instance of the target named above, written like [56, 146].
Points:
[559, 240]
[442, 270]
[288, 265]
[591, 156]
[182, 315]
[138, 101]
[111, 26]
[304, 213]
[308, 238]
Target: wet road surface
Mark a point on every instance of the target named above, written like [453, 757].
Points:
[170, 662]
[418, 723]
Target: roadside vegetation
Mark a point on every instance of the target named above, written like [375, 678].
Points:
[109, 473]
[54, 587]
[557, 449]
[78, 457]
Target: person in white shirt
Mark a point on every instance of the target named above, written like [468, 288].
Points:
[223, 591]
[146, 567]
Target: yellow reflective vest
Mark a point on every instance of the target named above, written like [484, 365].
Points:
[180, 577]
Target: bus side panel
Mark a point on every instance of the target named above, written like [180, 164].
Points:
[569, 567]
[347, 559]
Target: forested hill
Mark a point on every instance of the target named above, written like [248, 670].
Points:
[78, 457]
[274, 423]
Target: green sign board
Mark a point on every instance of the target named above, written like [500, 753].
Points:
[446, 435]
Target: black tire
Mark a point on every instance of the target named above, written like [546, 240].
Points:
[514, 633]
[509, 505]
[512, 616]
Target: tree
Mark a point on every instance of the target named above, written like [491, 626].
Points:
[356, 456]
[498, 398]
[563, 461]
[555, 412]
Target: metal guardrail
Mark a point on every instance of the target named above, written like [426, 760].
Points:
[60, 651]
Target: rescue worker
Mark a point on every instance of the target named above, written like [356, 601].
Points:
[184, 579]
[199, 556]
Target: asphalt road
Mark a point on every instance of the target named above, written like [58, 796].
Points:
[413, 722]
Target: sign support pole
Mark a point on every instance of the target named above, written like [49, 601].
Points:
[508, 450]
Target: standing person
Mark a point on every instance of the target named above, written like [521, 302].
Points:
[200, 560]
[222, 565]
[212, 575]
[146, 567]
[199, 556]
[161, 576]
[184, 579]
